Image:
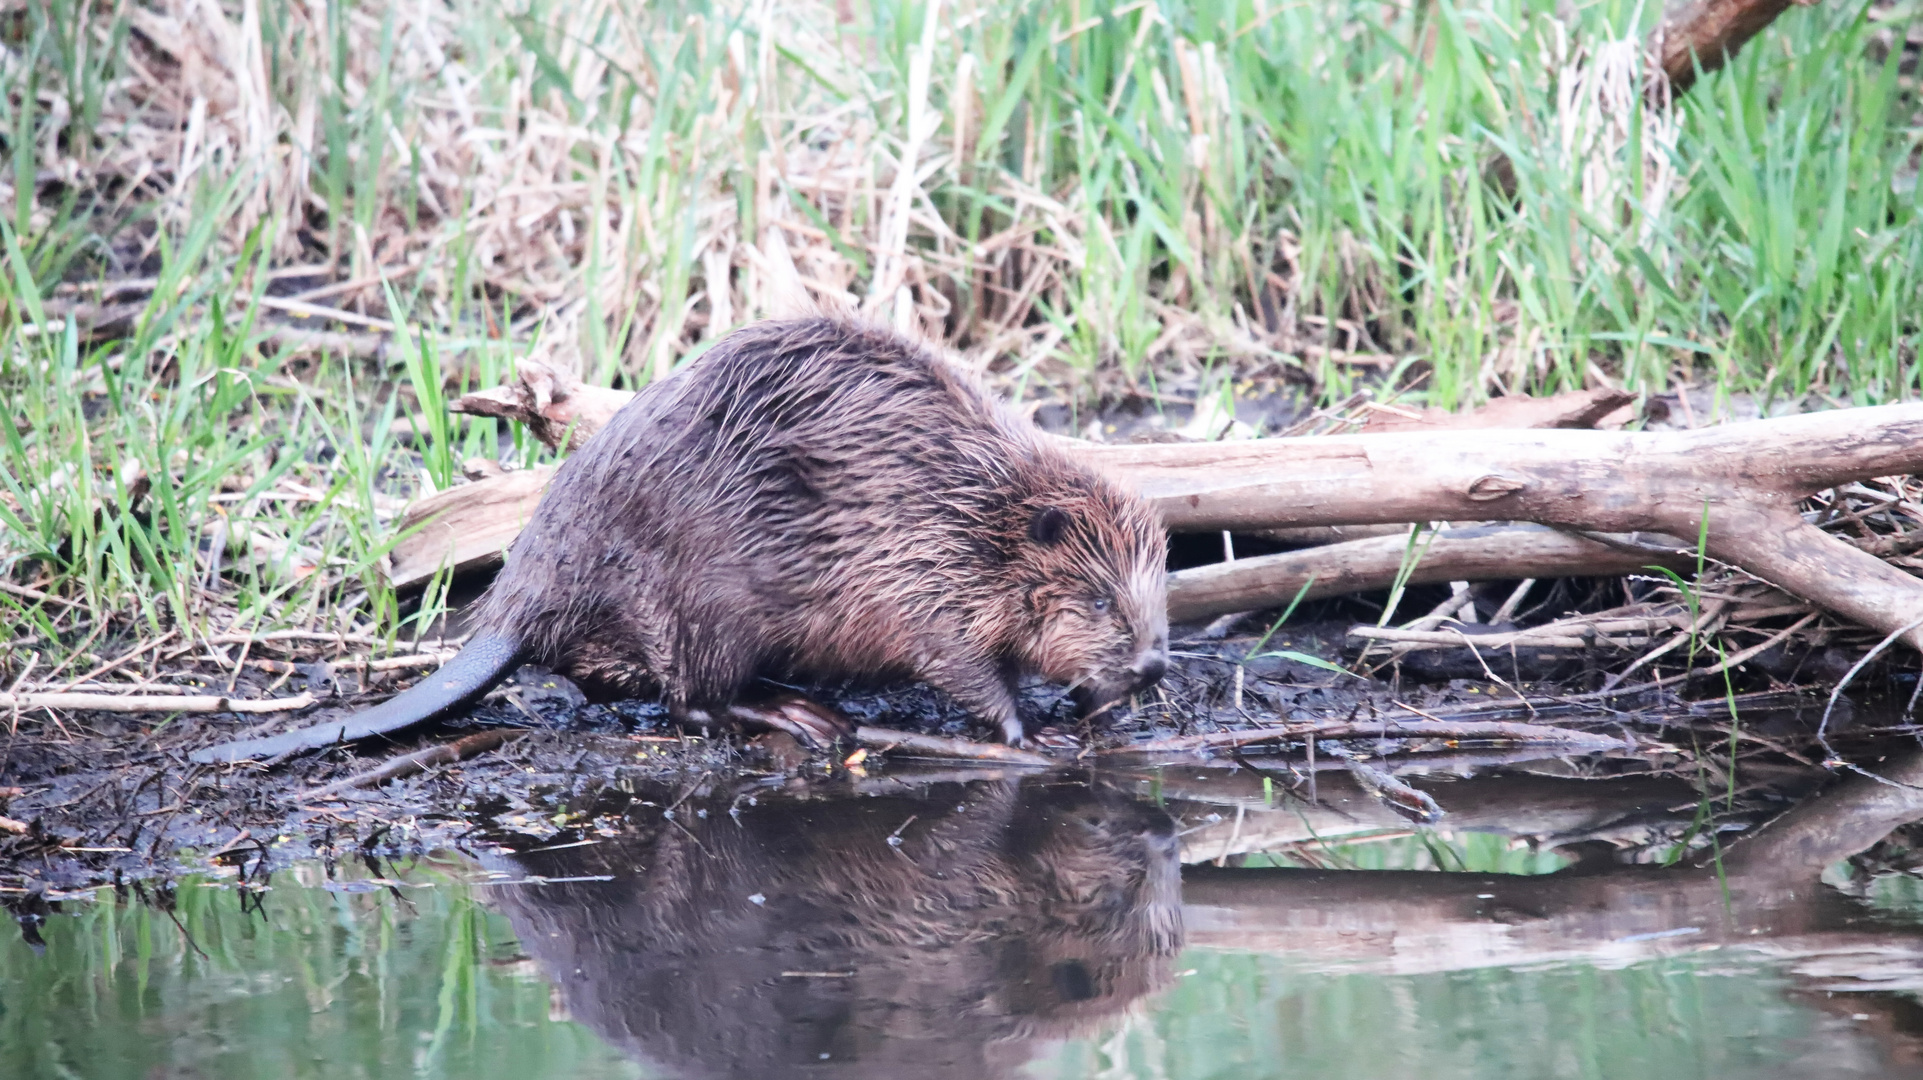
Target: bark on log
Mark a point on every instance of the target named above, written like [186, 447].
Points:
[467, 527]
[1696, 35]
[1475, 553]
[1705, 35]
[1409, 921]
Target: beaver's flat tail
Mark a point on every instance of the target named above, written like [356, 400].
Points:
[472, 672]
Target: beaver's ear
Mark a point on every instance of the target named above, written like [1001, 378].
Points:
[1049, 525]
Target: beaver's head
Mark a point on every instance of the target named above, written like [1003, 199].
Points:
[1094, 593]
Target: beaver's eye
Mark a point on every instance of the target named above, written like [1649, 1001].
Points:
[1100, 605]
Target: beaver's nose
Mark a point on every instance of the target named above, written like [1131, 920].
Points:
[1149, 668]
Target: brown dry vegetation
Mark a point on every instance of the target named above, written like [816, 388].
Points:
[1138, 197]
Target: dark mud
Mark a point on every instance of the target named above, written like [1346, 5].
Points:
[108, 797]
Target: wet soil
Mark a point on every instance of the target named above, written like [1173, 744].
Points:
[109, 797]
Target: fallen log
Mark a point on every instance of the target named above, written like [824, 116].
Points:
[1746, 479]
[1474, 553]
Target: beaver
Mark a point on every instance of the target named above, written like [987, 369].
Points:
[949, 929]
[811, 500]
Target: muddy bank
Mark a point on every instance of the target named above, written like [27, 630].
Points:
[107, 797]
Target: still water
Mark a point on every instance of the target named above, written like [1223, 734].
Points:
[1177, 926]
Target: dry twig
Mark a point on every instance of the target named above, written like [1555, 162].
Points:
[154, 703]
[419, 761]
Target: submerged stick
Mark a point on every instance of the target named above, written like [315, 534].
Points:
[420, 761]
[939, 746]
[1394, 793]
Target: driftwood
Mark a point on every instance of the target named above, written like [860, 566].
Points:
[153, 703]
[1473, 553]
[1747, 478]
[913, 744]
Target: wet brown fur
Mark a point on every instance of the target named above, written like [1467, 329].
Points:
[816, 499]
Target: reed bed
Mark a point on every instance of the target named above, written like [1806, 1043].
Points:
[252, 245]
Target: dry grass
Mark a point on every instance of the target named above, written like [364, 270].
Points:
[1126, 193]
[623, 181]
[1180, 199]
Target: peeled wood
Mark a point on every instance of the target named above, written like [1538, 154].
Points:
[1749, 478]
[912, 744]
[552, 401]
[153, 703]
[467, 527]
[1475, 553]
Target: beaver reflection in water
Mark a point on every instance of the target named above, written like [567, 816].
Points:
[799, 941]
[812, 500]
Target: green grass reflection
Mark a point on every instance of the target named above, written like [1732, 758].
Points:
[1255, 1017]
[422, 981]
[1425, 849]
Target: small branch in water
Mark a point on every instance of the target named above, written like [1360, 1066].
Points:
[154, 703]
[1480, 730]
[910, 742]
[419, 761]
[1394, 793]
